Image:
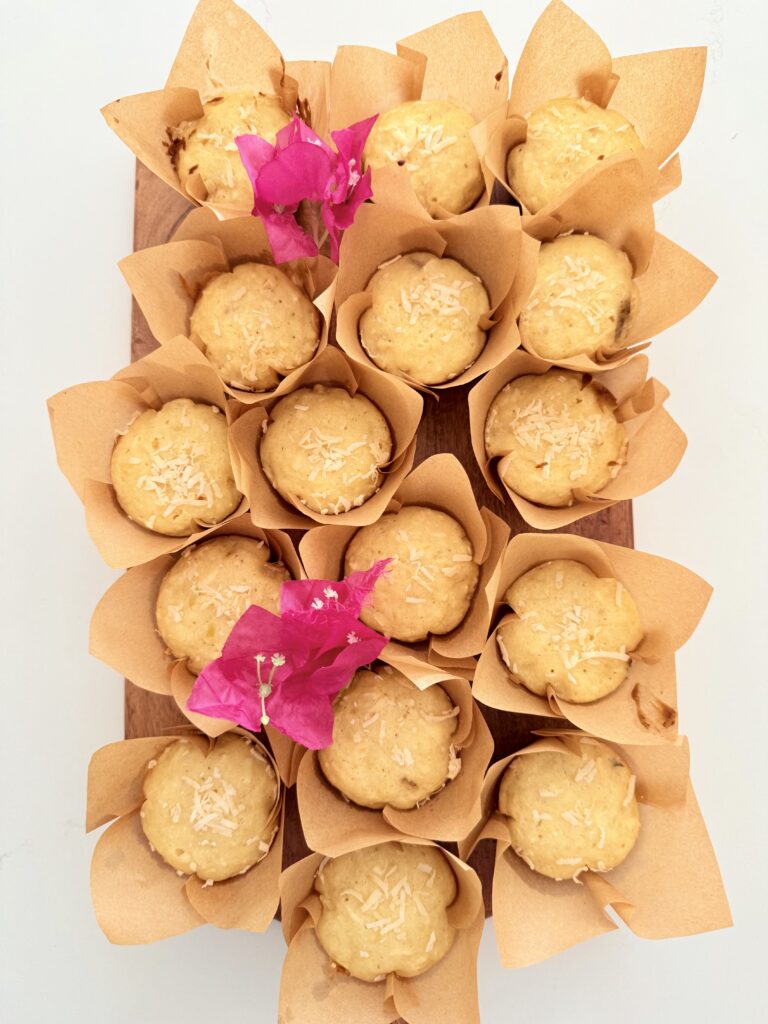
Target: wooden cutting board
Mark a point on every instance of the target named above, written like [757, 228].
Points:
[444, 428]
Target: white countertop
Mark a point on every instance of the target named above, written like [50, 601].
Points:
[67, 187]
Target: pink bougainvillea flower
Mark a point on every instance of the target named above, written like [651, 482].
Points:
[286, 669]
[302, 168]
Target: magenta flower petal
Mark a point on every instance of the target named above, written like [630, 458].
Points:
[298, 172]
[255, 152]
[287, 669]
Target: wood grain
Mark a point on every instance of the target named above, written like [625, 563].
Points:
[445, 427]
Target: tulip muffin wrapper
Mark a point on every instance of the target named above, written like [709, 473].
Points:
[488, 242]
[670, 600]
[446, 816]
[124, 633]
[87, 420]
[441, 483]
[398, 403]
[310, 984]
[166, 280]
[137, 897]
[658, 93]
[614, 204]
[668, 886]
[223, 50]
[656, 442]
[458, 59]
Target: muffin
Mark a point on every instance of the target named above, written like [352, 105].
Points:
[566, 137]
[256, 326]
[171, 469]
[573, 632]
[431, 139]
[582, 300]
[391, 741]
[210, 814]
[572, 810]
[429, 584]
[384, 910]
[424, 318]
[324, 448]
[207, 146]
[208, 589]
[560, 432]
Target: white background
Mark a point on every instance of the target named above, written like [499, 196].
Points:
[66, 209]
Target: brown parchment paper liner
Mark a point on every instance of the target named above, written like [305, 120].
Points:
[670, 600]
[615, 205]
[166, 280]
[86, 420]
[401, 407]
[440, 482]
[656, 442]
[136, 896]
[668, 886]
[656, 92]
[446, 816]
[312, 990]
[458, 59]
[487, 241]
[223, 50]
[124, 632]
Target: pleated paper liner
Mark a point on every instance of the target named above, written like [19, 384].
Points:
[446, 816]
[658, 93]
[312, 990]
[668, 886]
[458, 59]
[166, 280]
[656, 442]
[487, 241]
[615, 204]
[124, 632]
[137, 897]
[401, 407]
[223, 50]
[87, 419]
[670, 600]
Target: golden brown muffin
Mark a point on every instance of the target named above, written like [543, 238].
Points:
[391, 741]
[429, 584]
[425, 318]
[384, 909]
[212, 815]
[570, 811]
[561, 434]
[573, 632]
[431, 139]
[171, 468]
[256, 326]
[566, 137]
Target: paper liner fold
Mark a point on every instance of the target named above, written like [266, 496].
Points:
[488, 242]
[137, 897]
[668, 886]
[166, 280]
[223, 50]
[656, 442]
[440, 482]
[614, 204]
[458, 59]
[86, 421]
[401, 407]
[310, 989]
[331, 822]
[657, 92]
[123, 631]
[670, 600]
